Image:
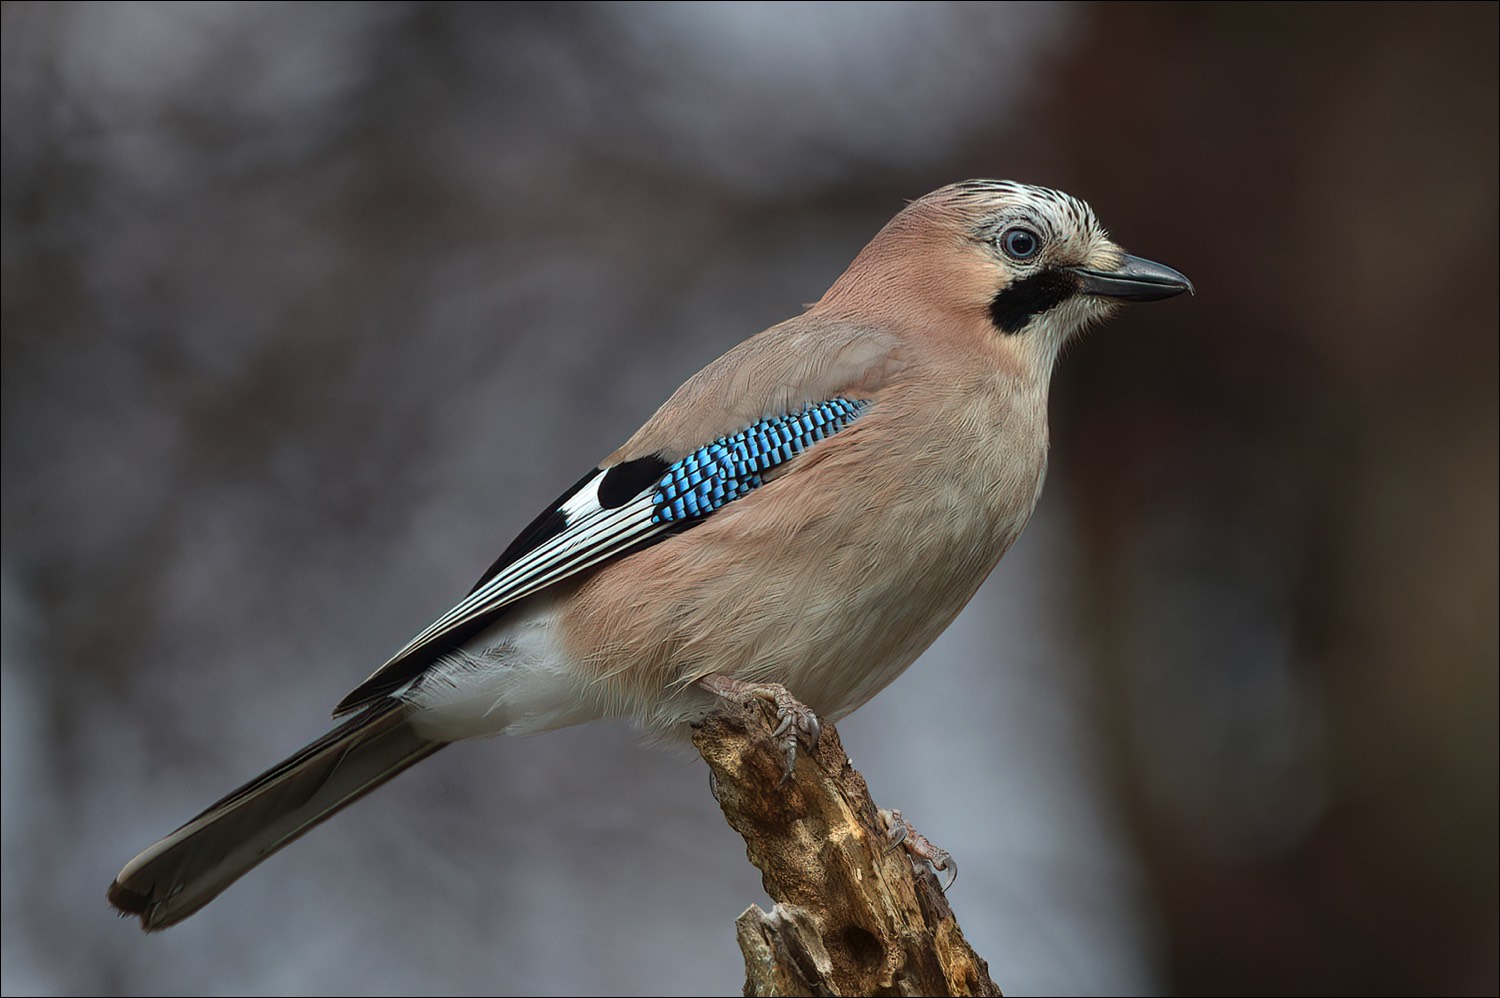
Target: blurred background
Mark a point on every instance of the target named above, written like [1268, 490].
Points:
[308, 308]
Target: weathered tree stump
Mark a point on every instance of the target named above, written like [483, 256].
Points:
[852, 915]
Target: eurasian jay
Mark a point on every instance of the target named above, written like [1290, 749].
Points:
[798, 522]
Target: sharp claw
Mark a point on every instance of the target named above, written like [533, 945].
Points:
[793, 719]
[951, 865]
[924, 855]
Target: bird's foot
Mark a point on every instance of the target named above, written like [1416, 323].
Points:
[794, 719]
[924, 855]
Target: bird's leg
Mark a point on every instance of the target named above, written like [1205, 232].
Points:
[923, 853]
[794, 718]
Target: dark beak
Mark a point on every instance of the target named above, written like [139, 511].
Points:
[1134, 279]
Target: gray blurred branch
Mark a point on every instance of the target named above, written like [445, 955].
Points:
[851, 917]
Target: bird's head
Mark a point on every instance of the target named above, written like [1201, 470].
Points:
[1027, 265]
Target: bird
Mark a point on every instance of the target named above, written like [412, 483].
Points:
[798, 522]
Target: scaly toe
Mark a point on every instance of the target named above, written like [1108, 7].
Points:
[924, 855]
[794, 720]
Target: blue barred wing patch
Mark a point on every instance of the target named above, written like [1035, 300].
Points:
[732, 466]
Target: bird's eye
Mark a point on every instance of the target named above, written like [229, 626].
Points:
[1020, 244]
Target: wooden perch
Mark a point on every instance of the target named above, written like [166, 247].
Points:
[852, 915]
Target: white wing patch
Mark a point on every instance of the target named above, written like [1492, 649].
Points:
[610, 512]
[591, 535]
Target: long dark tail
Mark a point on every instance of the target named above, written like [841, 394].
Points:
[190, 867]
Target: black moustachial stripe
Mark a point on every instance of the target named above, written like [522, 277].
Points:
[1029, 297]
